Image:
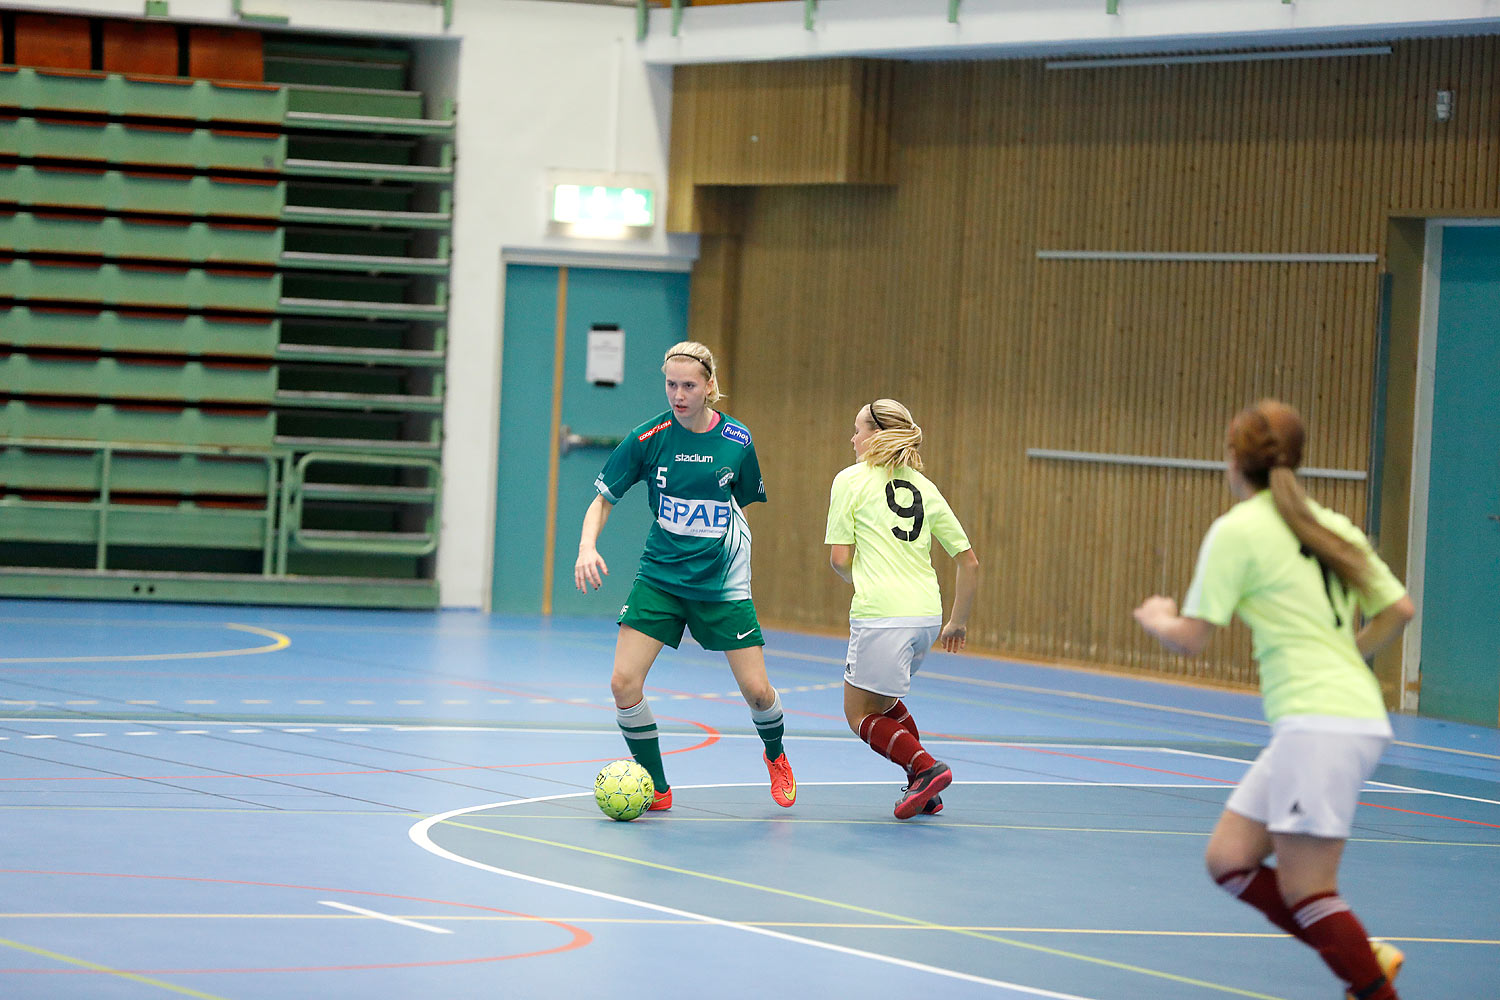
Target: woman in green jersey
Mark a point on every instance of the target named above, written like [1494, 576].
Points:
[700, 471]
[1298, 575]
[882, 517]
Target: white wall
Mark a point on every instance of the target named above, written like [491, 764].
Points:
[1034, 28]
[539, 86]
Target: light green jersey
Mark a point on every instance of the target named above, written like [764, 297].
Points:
[1301, 616]
[699, 546]
[891, 518]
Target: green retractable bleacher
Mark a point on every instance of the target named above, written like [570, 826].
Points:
[222, 315]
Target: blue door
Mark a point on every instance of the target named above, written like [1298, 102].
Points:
[651, 307]
[1461, 578]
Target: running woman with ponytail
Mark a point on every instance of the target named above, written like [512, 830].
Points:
[700, 470]
[1298, 575]
[882, 517]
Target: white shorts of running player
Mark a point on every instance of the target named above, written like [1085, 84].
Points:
[882, 658]
[1308, 781]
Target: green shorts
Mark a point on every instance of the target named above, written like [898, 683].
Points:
[717, 625]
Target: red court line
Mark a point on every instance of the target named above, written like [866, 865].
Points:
[1417, 812]
[1121, 763]
[578, 936]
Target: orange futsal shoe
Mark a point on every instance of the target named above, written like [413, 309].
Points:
[661, 801]
[1389, 958]
[783, 785]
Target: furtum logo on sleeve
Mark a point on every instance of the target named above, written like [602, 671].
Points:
[737, 434]
[659, 427]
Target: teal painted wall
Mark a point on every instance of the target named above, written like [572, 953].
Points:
[525, 422]
[651, 307]
[1461, 579]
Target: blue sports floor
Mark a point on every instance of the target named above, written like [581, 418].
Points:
[259, 803]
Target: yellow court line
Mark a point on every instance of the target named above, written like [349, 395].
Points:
[983, 682]
[779, 820]
[106, 969]
[279, 642]
[797, 820]
[502, 918]
[906, 921]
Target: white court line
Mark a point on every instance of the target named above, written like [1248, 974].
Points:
[1409, 790]
[1385, 786]
[384, 916]
[420, 836]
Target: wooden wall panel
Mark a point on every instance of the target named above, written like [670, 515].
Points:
[931, 291]
[53, 41]
[226, 54]
[822, 122]
[140, 47]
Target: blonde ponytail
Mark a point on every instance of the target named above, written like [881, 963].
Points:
[896, 439]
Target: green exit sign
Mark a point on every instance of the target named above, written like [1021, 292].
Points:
[593, 204]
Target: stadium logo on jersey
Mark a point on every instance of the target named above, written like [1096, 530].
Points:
[694, 458]
[726, 476]
[698, 518]
[737, 434]
[659, 427]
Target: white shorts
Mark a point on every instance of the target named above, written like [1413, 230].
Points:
[882, 660]
[1308, 781]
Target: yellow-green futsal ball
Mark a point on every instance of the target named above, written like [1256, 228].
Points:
[623, 789]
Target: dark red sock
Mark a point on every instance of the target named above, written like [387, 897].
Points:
[1257, 886]
[1332, 928]
[898, 714]
[895, 743]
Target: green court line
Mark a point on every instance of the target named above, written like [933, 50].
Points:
[106, 969]
[905, 921]
[782, 820]
[661, 921]
[1023, 828]
[984, 682]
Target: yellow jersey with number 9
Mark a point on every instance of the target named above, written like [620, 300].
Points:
[891, 516]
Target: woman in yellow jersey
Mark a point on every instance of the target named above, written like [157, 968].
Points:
[882, 517]
[1298, 575]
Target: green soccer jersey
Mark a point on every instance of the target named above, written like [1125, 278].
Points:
[1301, 616]
[891, 518]
[697, 484]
